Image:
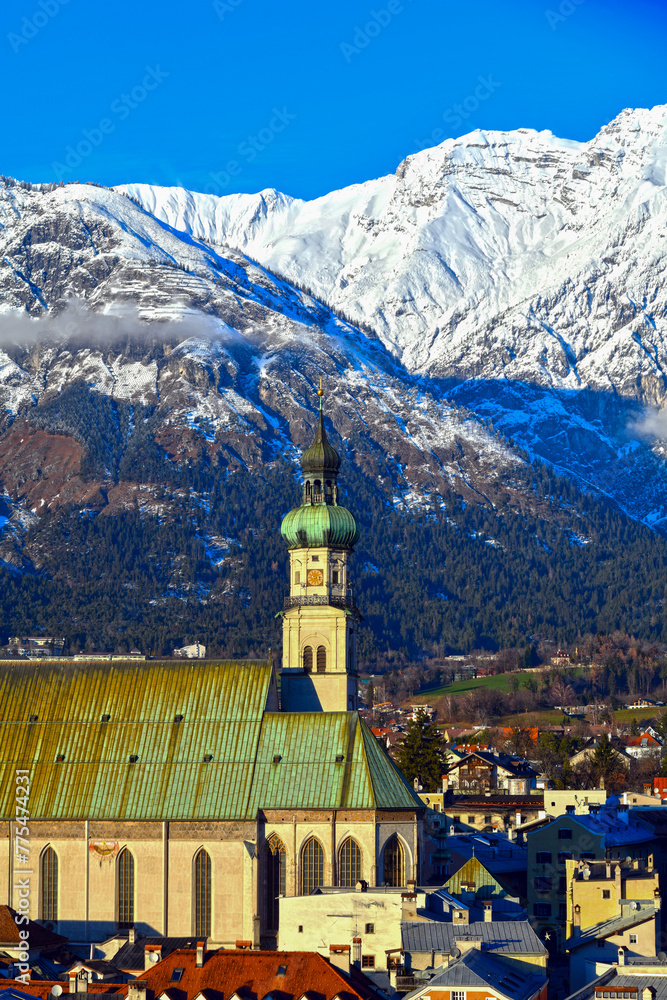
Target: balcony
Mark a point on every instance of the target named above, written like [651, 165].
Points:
[321, 600]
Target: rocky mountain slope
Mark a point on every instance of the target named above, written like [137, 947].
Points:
[501, 297]
[517, 273]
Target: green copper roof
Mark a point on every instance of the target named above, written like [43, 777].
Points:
[321, 458]
[222, 704]
[314, 525]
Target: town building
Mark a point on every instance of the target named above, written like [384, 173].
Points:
[479, 772]
[610, 905]
[194, 651]
[182, 797]
[631, 979]
[198, 974]
[476, 975]
[428, 944]
[608, 832]
[366, 920]
[35, 646]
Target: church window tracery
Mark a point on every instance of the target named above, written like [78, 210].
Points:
[349, 863]
[49, 885]
[393, 863]
[312, 866]
[125, 884]
[276, 879]
[202, 894]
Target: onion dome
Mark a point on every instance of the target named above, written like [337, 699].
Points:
[319, 525]
[319, 521]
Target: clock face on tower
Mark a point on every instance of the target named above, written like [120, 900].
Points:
[315, 577]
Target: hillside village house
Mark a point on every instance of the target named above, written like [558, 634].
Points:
[480, 772]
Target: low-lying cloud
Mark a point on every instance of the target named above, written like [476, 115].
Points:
[82, 327]
[652, 425]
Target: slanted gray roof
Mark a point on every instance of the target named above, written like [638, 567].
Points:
[131, 955]
[616, 925]
[483, 971]
[610, 980]
[505, 937]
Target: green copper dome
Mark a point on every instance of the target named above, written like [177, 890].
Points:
[318, 525]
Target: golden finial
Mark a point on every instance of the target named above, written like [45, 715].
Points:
[320, 391]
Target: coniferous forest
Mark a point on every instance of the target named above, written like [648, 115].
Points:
[207, 562]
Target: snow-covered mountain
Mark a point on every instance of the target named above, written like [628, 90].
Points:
[95, 290]
[520, 274]
[511, 277]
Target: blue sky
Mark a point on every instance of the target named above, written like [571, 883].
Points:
[239, 95]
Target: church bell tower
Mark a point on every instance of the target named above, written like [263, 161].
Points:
[320, 619]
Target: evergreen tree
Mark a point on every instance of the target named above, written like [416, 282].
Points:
[422, 753]
[605, 761]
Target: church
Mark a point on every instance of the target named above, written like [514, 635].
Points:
[183, 798]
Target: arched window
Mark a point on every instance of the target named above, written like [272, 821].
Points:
[312, 866]
[276, 880]
[125, 873]
[394, 864]
[349, 863]
[202, 894]
[321, 659]
[308, 659]
[49, 885]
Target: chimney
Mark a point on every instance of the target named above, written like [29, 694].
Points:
[339, 956]
[199, 963]
[576, 920]
[608, 867]
[409, 907]
[80, 982]
[411, 884]
[131, 935]
[136, 989]
[152, 955]
[91, 953]
[621, 955]
[461, 916]
[488, 911]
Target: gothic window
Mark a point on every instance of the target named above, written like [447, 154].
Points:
[308, 659]
[321, 659]
[349, 863]
[276, 879]
[202, 894]
[394, 865]
[312, 866]
[125, 876]
[49, 885]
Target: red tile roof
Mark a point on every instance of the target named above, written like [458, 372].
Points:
[226, 972]
[40, 937]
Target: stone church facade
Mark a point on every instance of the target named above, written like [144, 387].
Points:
[183, 798]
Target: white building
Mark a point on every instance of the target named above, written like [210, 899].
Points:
[195, 651]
